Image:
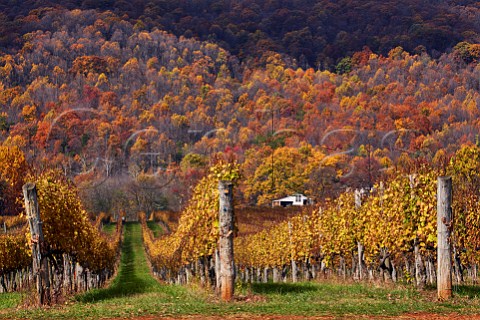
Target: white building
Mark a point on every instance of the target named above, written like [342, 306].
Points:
[297, 199]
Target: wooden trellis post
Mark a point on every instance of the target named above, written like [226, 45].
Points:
[226, 224]
[40, 264]
[358, 205]
[444, 230]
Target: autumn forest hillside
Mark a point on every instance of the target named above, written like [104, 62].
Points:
[329, 100]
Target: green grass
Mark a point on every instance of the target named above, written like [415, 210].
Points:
[135, 292]
[10, 300]
[109, 228]
[155, 227]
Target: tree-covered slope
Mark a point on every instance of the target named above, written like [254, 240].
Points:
[102, 98]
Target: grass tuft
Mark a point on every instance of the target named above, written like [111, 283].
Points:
[10, 300]
[155, 227]
[109, 228]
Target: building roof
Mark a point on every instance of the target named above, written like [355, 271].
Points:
[292, 197]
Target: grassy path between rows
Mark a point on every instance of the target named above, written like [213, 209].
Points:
[134, 292]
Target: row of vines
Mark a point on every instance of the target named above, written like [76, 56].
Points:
[79, 256]
[189, 250]
[387, 232]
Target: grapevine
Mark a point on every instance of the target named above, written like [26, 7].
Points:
[197, 232]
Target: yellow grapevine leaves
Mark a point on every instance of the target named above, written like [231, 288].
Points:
[197, 233]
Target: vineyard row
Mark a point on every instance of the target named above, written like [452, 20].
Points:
[388, 232]
[74, 255]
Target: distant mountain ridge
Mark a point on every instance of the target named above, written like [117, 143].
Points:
[314, 33]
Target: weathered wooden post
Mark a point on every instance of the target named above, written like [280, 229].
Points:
[444, 229]
[40, 264]
[358, 205]
[226, 224]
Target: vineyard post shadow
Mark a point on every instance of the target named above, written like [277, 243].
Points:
[40, 264]
[444, 230]
[226, 225]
